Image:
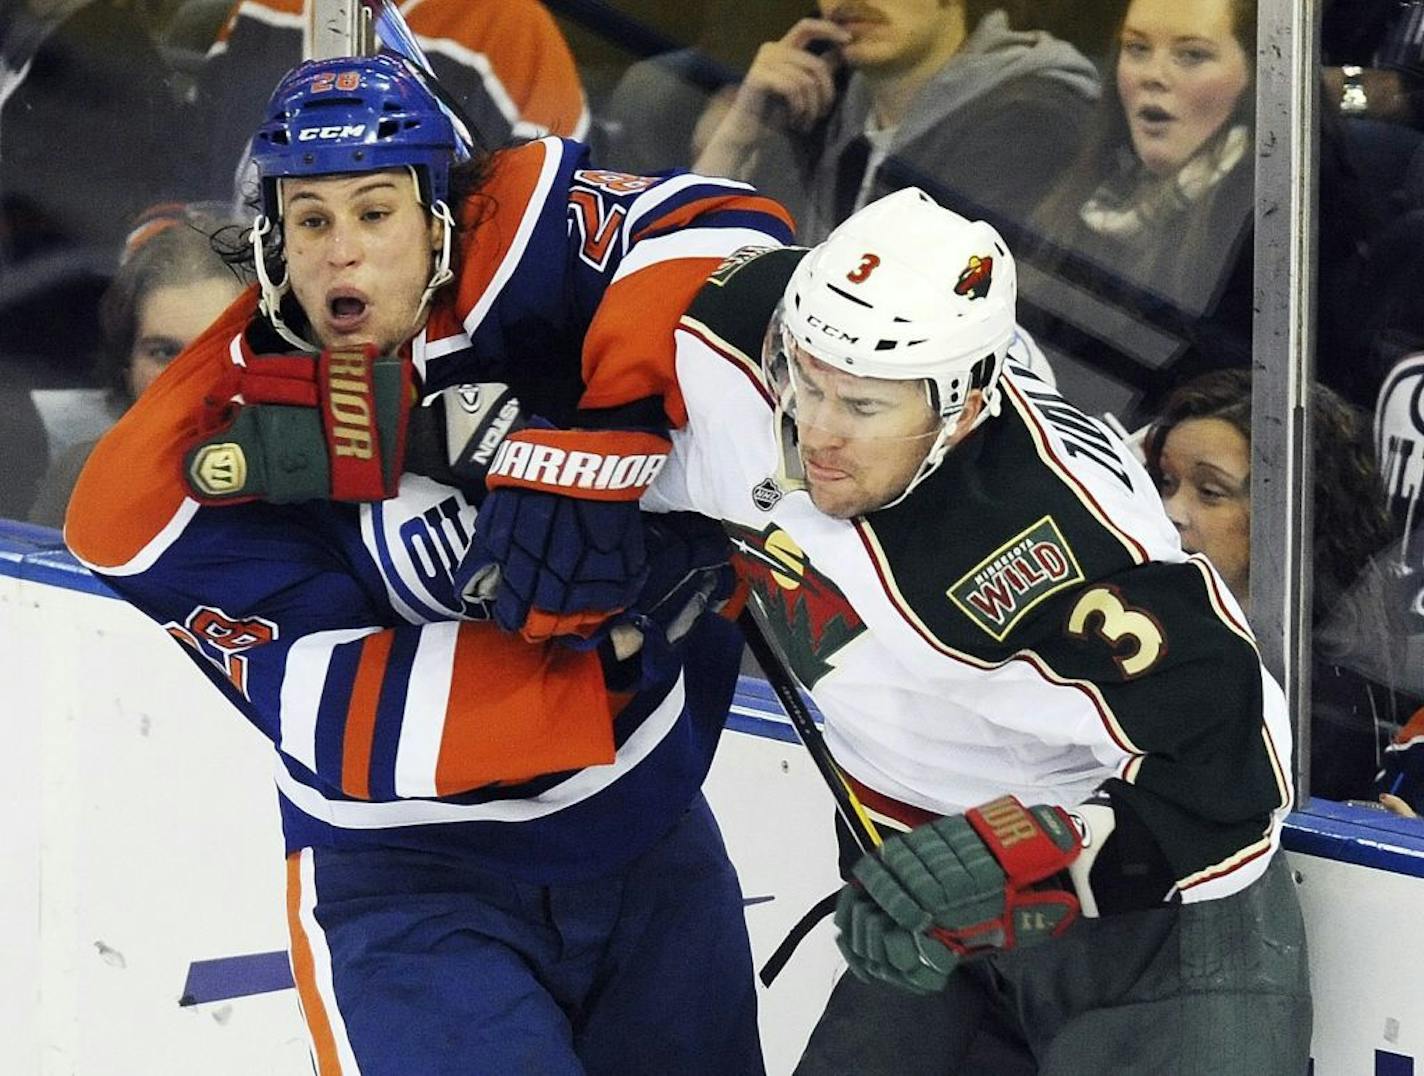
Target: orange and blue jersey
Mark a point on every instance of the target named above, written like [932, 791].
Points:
[591, 262]
[401, 716]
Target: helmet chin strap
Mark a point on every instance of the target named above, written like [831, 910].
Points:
[270, 305]
[935, 456]
[443, 274]
[273, 292]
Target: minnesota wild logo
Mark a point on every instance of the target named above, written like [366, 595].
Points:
[811, 617]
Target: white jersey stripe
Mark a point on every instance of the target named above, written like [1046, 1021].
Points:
[321, 962]
[667, 189]
[479, 62]
[303, 680]
[352, 814]
[553, 157]
[1040, 436]
[1226, 610]
[1210, 882]
[691, 243]
[154, 548]
[368, 539]
[427, 699]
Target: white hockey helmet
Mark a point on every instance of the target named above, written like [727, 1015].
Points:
[902, 290]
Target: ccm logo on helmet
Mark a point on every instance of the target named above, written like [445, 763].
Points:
[345, 130]
[830, 330]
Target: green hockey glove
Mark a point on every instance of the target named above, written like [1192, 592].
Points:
[287, 428]
[957, 888]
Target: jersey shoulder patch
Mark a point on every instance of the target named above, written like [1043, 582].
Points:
[737, 302]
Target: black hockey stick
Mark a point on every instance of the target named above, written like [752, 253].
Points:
[778, 674]
[783, 682]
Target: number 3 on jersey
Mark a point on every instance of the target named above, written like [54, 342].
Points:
[1102, 613]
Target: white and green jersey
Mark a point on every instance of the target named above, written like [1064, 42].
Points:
[1024, 622]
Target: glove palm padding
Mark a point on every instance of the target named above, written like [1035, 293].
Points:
[689, 572]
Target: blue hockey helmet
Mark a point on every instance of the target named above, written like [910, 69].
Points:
[356, 114]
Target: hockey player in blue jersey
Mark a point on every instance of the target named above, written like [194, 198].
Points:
[499, 859]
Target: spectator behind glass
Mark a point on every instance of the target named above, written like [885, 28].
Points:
[79, 80]
[1154, 217]
[651, 119]
[505, 63]
[1199, 454]
[171, 285]
[941, 94]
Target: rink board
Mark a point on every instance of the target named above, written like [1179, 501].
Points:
[143, 876]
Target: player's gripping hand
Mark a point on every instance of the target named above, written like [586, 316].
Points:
[287, 428]
[689, 573]
[957, 888]
[558, 545]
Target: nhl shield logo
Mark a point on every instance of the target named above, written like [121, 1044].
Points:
[766, 494]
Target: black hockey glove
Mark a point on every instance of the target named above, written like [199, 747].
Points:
[558, 547]
[689, 573]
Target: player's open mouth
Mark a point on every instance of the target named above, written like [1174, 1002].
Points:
[346, 310]
[1154, 115]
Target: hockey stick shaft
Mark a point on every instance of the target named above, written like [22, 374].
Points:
[395, 34]
[778, 674]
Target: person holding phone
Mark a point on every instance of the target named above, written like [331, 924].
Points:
[868, 96]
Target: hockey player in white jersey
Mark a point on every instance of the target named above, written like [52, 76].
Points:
[979, 588]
